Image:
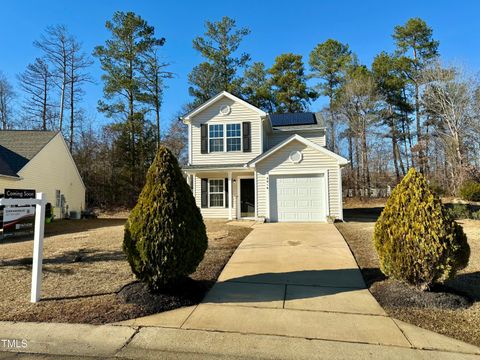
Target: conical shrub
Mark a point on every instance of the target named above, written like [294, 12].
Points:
[165, 237]
[416, 239]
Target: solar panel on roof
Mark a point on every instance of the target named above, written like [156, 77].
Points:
[293, 119]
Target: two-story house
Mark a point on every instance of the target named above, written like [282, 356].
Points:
[245, 163]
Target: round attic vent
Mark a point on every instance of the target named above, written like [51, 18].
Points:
[225, 110]
[295, 157]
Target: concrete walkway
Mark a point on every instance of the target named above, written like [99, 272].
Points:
[289, 291]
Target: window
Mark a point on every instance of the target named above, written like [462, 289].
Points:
[234, 137]
[215, 192]
[58, 200]
[216, 137]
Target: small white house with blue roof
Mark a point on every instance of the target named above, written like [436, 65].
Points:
[244, 163]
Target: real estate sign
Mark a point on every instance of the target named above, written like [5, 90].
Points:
[18, 220]
[19, 194]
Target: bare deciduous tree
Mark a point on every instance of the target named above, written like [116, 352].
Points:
[449, 99]
[7, 95]
[37, 81]
[55, 43]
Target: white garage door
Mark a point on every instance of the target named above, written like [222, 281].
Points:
[297, 197]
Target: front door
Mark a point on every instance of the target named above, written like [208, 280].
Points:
[247, 198]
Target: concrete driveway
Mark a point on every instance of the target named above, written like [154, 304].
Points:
[290, 291]
[295, 280]
[299, 281]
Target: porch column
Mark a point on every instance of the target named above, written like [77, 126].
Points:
[230, 197]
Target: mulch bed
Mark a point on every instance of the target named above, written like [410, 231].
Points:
[395, 294]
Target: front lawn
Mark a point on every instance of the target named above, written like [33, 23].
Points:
[85, 274]
[452, 310]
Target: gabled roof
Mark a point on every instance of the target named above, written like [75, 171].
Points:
[296, 119]
[341, 160]
[18, 147]
[187, 117]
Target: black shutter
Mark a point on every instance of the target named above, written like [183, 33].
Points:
[204, 190]
[226, 192]
[247, 137]
[204, 138]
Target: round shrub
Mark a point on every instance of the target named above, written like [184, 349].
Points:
[165, 237]
[470, 191]
[416, 239]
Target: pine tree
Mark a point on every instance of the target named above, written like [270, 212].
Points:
[289, 84]
[329, 62]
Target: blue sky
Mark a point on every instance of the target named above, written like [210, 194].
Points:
[276, 27]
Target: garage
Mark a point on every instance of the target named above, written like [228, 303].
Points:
[300, 198]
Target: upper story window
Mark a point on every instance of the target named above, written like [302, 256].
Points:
[216, 137]
[225, 137]
[234, 137]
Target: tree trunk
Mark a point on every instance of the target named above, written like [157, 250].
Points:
[395, 156]
[357, 175]
[72, 104]
[157, 107]
[332, 126]
[366, 172]
[62, 95]
[44, 110]
[421, 159]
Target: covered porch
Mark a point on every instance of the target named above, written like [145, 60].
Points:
[227, 192]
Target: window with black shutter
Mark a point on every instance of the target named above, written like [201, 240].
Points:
[204, 191]
[247, 137]
[226, 192]
[204, 138]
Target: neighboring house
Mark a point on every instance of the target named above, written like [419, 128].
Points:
[245, 163]
[41, 160]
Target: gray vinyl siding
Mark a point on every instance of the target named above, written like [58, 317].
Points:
[313, 161]
[317, 137]
[238, 114]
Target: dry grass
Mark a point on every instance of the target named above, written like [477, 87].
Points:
[462, 324]
[84, 268]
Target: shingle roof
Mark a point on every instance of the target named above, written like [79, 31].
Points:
[295, 119]
[18, 147]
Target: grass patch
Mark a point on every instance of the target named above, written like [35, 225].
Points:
[85, 270]
[443, 310]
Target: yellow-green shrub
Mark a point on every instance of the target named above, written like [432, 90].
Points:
[470, 191]
[417, 241]
[165, 237]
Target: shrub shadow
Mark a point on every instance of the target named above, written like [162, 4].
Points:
[69, 257]
[362, 214]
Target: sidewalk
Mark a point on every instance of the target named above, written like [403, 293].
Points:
[290, 291]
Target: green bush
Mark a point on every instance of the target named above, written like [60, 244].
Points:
[165, 237]
[459, 211]
[470, 191]
[437, 188]
[476, 215]
[417, 241]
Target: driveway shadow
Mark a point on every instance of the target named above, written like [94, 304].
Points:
[269, 287]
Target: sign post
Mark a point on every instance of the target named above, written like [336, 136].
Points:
[38, 248]
[39, 203]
